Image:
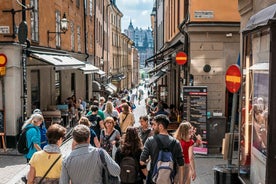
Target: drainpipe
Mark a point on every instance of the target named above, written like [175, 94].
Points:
[103, 34]
[84, 29]
[24, 68]
[107, 28]
[186, 46]
[94, 32]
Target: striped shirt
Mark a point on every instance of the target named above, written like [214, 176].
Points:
[84, 166]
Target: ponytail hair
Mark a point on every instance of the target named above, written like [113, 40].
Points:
[33, 118]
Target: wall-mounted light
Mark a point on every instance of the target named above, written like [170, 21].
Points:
[63, 27]
[101, 61]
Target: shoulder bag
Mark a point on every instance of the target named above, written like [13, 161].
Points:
[107, 177]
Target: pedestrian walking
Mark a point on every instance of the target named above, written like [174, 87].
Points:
[83, 164]
[96, 120]
[144, 129]
[128, 156]
[94, 141]
[153, 146]
[43, 130]
[45, 165]
[33, 135]
[184, 135]
[110, 111]
[109, 137]
[126, 118]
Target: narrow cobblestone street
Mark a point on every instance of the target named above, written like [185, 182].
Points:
[13, 166]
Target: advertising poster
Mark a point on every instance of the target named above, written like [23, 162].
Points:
[260, 112]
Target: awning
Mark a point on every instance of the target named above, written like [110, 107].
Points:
[156, 77]
[110, 88]
[159, 67]
[96, 86]
[100, 72]
[260, 67]
[89, 69]
[58, 60]
[261, 18]
[118, 77]
[160, 53]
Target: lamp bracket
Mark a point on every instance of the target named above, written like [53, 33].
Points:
[13, 12]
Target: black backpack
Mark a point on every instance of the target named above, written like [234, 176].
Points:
[22, 144]
[129, 170]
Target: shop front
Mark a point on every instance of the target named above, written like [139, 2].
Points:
[257, 146]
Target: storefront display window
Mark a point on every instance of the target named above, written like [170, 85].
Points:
[255, 103]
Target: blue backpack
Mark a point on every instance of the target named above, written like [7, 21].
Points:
[164, 170]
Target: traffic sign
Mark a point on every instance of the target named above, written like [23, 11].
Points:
[233, 78]
[3, 60]
[181, 58]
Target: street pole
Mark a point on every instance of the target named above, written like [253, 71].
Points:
[232, 128]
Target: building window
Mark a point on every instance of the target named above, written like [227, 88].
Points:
[72, 36]
[35, 87]
[57, 88]
[79, 38]
[91, 41]
[34, 21]
[58, 28]
[90, 7]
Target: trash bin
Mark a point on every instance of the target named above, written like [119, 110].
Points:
[216, 127]
[226, 174]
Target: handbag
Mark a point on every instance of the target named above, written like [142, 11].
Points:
[49, 169]
[107, 177]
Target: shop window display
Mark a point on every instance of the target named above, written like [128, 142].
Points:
[255, 103]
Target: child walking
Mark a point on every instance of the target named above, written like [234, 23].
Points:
[184, 134]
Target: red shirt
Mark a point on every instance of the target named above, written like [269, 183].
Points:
[185, 148]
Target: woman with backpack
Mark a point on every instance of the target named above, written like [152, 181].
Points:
[184, 134]
[128, 156]
[33, 136]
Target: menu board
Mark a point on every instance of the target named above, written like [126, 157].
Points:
[195, 111]
[195, 104]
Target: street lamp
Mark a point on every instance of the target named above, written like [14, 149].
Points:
[63, 27]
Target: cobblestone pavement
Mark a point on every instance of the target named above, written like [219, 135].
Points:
[13, 165]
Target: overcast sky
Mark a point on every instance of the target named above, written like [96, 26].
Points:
[137, 10]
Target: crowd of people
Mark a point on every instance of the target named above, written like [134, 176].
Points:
[131, 153]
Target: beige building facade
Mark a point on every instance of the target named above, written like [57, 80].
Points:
[208, 32]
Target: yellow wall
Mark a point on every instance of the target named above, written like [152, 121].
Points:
[223, 10]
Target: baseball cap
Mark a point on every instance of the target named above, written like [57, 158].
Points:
[37, 111]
